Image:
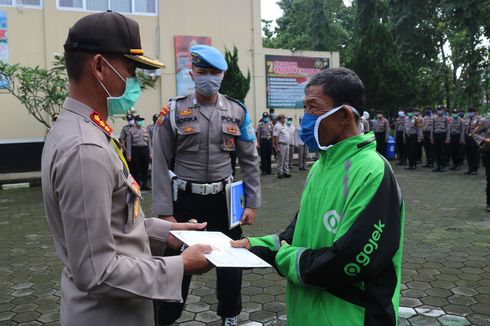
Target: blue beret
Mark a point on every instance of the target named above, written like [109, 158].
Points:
[205, 56]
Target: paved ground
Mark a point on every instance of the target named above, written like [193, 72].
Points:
[446, 270]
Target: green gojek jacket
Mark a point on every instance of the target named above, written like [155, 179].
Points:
[344, 251]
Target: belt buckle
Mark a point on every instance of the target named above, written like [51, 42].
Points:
[215, 188]
[204, 189]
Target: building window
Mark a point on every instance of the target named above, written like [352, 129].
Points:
[24, 3]
[139, 7]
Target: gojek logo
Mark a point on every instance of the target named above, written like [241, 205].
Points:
[364, 257]
[331, 220]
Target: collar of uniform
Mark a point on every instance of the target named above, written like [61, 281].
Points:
[196, 104]
[87, 113]
[347, 148]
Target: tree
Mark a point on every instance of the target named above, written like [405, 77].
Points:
[235, 84]
[43, 91]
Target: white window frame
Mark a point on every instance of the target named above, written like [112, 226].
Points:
[21, 5]
[84, 4]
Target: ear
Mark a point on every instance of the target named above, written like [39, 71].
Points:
[96, 66]
[347, 117]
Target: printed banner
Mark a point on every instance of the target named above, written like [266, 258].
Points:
[183, 63]
[4, 47]
[286, 78]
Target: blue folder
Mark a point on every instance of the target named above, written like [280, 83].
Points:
[235, 196]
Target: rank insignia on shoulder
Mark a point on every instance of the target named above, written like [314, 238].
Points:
[162, 115]
[100, 122]
[188, 130]
[185, 113]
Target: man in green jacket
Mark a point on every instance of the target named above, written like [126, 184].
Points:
[342, 252]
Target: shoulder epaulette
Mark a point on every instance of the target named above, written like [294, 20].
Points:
[100, 123]
[237, 101]
[162, 115]
[177, 98]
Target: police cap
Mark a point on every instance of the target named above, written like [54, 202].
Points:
[205, 56]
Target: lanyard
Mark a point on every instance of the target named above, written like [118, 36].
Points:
[120, 154]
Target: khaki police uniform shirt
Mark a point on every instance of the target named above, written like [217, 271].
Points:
[264, 130]
[137, 137]
[199, 150]
[456, 127]
[427, 123]
[470, 124]
[100, 232]
[481, 132]
[440, 124]
[281, 131]
[400, 124]
[382, 125]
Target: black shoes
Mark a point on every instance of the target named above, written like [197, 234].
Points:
[280, 176]
[287, 175]
[401, 163]
[471, 172]
[410, 167]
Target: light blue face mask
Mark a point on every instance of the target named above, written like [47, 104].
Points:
[120, 105]
[310, 125]
[208, 85]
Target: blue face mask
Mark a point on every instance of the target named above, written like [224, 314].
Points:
[289, 122]
[266, 120]
[120, 105]
[461, 115]
[139, 123]
[208, 85]
[310, 125]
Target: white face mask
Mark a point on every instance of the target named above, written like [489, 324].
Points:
[324, 116]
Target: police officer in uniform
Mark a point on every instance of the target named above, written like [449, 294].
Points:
[92, 202]
[264, 135]
[194, 138]
[413, 137]
[426, 132]
[280, 141]
[381, 132]
[456, 139]
[481, 134]
[400, 137]
[471, 147]
[138, 152]
[151, 132]
[439, 139]
[124, 131]
[292, 140]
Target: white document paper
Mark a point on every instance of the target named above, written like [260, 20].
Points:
[223, 254]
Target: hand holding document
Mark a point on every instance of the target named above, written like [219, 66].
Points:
[222, 255]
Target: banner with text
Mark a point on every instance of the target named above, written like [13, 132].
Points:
[183, 63]
[4, 46]
[286, 78]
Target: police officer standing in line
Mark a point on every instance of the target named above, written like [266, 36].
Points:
[124, 131]
[302, 148]
[92, 202]
[264, 135]
[280, 141]
[292, 140]
[413, 136]
[381, 132]
[138, 152]
[400, 137]
[151, 132]
[427, 123]
[194, 139]
[481, 134]
[440, 139]
[456, 139]
[418, 118]
[471, 147]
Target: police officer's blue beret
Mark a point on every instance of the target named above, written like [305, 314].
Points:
[205, 56]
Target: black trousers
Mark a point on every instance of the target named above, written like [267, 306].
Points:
[401, 149]
[211, 209]
[419, 151]
[428, 148]
[471, 149]
[265, 155]
[456, 150]
[140, 159]
[412, 150]
[381, 143]
[440, 147]
[485, 157]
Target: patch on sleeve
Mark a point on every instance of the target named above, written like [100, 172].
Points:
[162, 115]
[247, 131]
